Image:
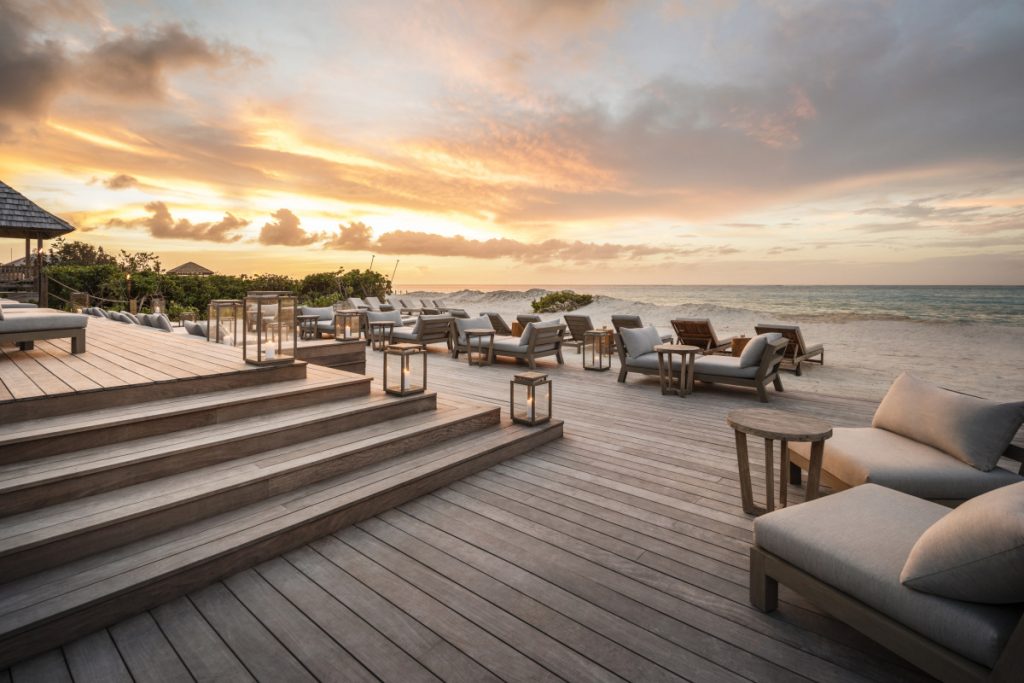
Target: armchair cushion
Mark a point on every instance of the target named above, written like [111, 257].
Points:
[464, 324]
[196, 328]
[524, 339]
[974, 430]
[723, 366]
[639, 341]
[752, 352]
[857, 541]
[650, 361]
[974, 553]
[324, 312]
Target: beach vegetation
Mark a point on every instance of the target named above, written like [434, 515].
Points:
[560, 302]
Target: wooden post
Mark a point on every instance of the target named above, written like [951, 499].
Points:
[44, 293]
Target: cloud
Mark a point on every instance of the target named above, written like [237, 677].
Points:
[32, 72]
[285, 231]
[121, 181]
[163, 226]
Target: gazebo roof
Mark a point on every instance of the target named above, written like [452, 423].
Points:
[22, 218]
[189, 268]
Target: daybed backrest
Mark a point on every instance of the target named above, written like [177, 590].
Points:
[373, 302]
[791, 332]
[498, 323]
[774, 352]
[695, 331]
[544, 334]
[325, 313]
[356, 302]
[578, 325]
[627, 321]
[434, 327]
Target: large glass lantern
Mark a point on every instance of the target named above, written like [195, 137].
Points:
[269, 336]
[79, 301]
[597, 350]
[530, 398]
[348, 325]
[158, 304]
[225, 321]
[405, 369]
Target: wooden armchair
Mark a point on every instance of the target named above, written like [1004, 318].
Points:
[798, 350]
[700, 332]
[545, 339]
[498, 323]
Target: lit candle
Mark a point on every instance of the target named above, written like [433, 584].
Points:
[529, 405]
[348, 331]
[268, 351]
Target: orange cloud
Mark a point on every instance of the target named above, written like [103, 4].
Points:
[285, 231]
[162, 225]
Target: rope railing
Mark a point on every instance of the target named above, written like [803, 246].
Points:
[91, 296]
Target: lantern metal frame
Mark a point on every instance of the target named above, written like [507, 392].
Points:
[158, 304]
[218, 312]
[348, 325]
[530, 383]
[404, 355]
[79, 301]
[273, 339]
[597, 350]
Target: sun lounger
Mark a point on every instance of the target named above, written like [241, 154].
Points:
[356, 304]
[633, 322]
[798, 350]
[925, 441]
[376, 304]
[935, 586]
[26, 326]
[498, 323]
[578, 326]
[700, 332]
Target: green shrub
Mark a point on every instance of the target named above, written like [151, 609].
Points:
[559, 302]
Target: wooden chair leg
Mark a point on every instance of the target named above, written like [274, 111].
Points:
[764, 590]
[778, 383]
[762, 394]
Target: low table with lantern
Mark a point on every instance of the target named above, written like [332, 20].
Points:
[380, 334]
[477, 351]
[680, 384]
[308, 326]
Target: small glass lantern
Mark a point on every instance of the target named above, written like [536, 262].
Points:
[158, 304]
[348, 325]
[79, 301]
[224, 321]
[405, 369]
[530, 398]
[597, 350]
[269, 336]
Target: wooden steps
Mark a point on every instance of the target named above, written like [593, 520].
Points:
[112, 510]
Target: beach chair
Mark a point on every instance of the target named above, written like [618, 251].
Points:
[632, 322]
[700, 332]
[525, 319]
[440, 305]
[498, 323]
[375, 304]
[578, 326]
[356, 304]
[427, 307]
[798, 351]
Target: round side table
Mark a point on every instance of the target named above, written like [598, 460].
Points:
[785, 427]
[682, 384]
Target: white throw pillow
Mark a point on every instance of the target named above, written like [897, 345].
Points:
[974, 430]
[754, 349]
[639, 340]
[524, 339]
[975, 553]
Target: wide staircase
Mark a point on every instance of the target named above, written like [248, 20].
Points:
[109, 511]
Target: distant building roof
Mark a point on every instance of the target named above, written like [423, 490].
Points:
[20, 217]
[190, 268]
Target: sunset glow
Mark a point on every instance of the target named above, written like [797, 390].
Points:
[529, 142]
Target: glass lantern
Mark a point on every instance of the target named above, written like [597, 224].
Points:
[79, 301]
[269, 336]
[158, 304]
[597, 350]
[405, 369]
[348, 325]
[224, 321]
[530, 398]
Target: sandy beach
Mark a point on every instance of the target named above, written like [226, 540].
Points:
[862, 357]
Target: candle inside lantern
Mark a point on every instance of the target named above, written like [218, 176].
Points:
[529, 404]
[268, 351]
[348, 331]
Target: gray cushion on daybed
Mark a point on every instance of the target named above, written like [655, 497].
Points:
[512, 345]
[867, 455]
[160, 322]
[196, 328]
[31, 320]
[975, 553]
[464, 324]
[724, 366]
[407, 333]
[857, 542]
[650, 360]
[972, 429]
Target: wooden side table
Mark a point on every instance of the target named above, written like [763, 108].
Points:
[482, 358]
[517, 329]
[380, 334]
[670, 383]
[182, 317]
[597, 350]
[785, 427]
[307, 326]
[738, 344]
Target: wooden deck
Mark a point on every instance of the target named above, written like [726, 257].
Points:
[618, 552]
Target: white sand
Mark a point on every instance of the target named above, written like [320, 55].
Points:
[862, 357]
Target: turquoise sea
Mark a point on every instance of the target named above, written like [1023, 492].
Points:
[950, 304]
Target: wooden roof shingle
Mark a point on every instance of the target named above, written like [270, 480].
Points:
[23, 218]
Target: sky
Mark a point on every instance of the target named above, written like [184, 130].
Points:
[529, 141]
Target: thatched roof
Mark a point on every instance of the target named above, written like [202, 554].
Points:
[190, 268]
[22, 218]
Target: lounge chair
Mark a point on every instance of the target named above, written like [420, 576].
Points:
[375, 304]
[925, 441]
[757, 367]
[537, 341]
[498, 323]
[428, 329]
[578, 326]
[798, 350]
[411, 307]
[440, 305]
[942, 589]
[633, 322]
[25, 326]
[356, 304]
[525, 319]
[700, 332]
[456, 312]
[325, 323]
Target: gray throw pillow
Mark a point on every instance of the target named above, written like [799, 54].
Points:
[160, 322]
[639, 340]
[974, 430]
[754, 349]
[132, 317]
[384, 316]
[975, 553]
[524, 338]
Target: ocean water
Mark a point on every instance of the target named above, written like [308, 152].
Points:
[1003, 306]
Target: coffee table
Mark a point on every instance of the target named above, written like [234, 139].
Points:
[307, 326]
[670, 384]
[484, 351]
[785, 427]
